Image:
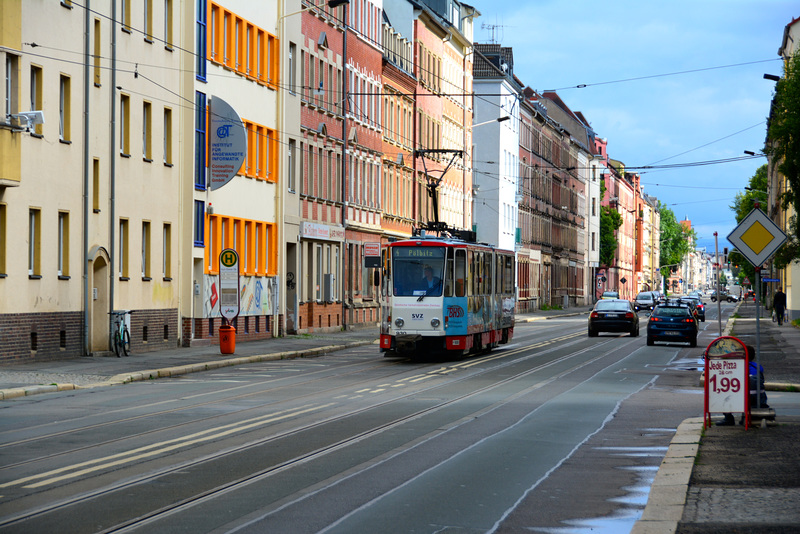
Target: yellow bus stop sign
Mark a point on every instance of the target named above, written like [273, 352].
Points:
[757, 237]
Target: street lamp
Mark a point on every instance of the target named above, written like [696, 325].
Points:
[498, 119]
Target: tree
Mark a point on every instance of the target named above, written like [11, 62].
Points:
[676, 239]
[783, 147]
[610, 221]
[743, 204]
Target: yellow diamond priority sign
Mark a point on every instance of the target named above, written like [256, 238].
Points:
[757, 237]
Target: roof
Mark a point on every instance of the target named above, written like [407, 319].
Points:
[493, 61]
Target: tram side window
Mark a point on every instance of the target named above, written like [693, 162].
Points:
[472, 274]
[498, 274]
[448, 274]
[478, 273]
[487, 274]
[509, 274]
[461, 272]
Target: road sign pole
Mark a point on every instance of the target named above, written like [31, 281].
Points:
[716, 274]
[758, 336]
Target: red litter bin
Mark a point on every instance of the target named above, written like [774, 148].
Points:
[227, 339]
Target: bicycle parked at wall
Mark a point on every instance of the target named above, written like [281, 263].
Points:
[121, 337]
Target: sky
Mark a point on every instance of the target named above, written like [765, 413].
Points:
[715, 112]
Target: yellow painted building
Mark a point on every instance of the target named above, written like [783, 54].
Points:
[90, 203]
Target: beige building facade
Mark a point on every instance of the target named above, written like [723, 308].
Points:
[90, 206]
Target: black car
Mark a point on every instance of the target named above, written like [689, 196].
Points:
[613, 315]
[699, 307]
[673, 321]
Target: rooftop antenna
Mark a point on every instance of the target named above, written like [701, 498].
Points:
[496, 30]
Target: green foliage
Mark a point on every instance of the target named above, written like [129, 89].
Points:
[783, 146]
[743, 204]
[546, 307]
[610, 221]
[676, 240]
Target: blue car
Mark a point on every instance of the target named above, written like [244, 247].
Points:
[672, 322]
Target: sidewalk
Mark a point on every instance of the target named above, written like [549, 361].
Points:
[726, 479]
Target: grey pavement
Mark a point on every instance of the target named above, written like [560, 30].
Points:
[720, 480]
[726, 479]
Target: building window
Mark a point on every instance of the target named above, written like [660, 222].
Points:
[262, 152]
[125, 13]
[290, 164]
[168, 24]
[146, 250]
[292, 68]
[166, 252]
[147, 131]
[243, 47]
[167, 136]
[63, 244]
[64, 109]
[258, 257]
[148, 21]
[199, 223]
[200, 48]
[97, 52]
[318, 273]
[11, 84]
[34, 242]
[36, 94]
[96, 185]
[200, 141]
[123, 249]
[124, 125]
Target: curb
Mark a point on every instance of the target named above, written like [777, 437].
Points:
[664, 508]
[167, 372]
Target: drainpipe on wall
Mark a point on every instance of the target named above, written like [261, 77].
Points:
[112, 162]
[86, 289]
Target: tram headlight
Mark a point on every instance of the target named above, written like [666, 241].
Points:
[435, 322]
[399, 322]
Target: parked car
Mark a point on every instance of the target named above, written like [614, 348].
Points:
[613, 315]
[672, 321]
[699, 307]
[646, 300]
[723, 296]
[610, 295]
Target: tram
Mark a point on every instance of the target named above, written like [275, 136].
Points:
[447, 296]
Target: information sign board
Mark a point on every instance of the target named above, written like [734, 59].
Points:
[229, 284]
[726, 378]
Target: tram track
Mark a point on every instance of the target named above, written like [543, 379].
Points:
[496, 359]
[61, 434]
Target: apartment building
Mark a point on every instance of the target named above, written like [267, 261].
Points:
[237, 191]
[90, 203]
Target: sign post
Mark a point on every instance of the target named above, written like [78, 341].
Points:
[726, 379]
[757, 237]
[228, 298]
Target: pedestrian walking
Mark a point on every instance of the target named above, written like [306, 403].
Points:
[779, 305]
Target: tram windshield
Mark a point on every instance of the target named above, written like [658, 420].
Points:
[418, 271]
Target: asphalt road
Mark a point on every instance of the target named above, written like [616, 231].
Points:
[555, 429]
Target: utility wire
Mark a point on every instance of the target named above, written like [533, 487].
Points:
[585, 85]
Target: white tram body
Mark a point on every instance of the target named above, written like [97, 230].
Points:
[445, 295]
